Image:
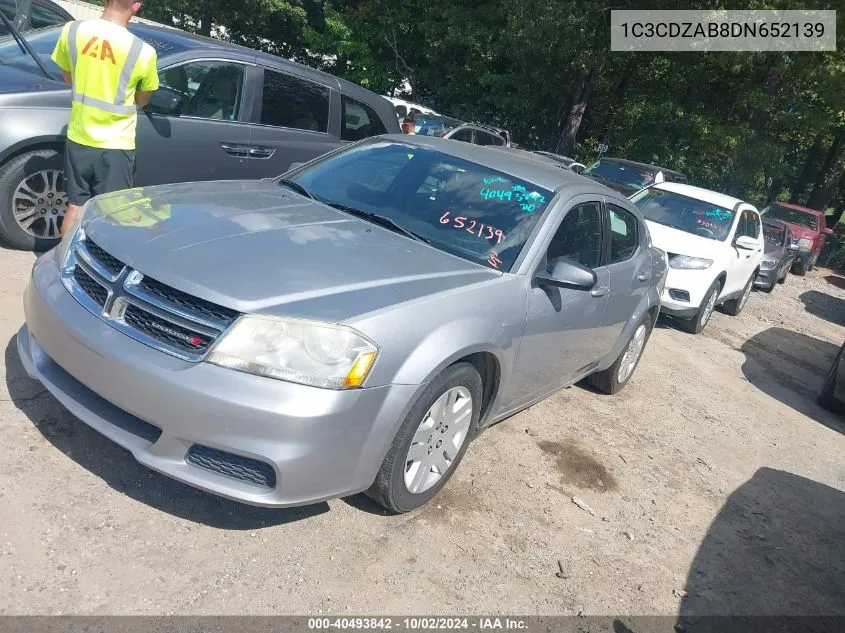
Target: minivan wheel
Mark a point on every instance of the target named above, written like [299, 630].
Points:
[612, 379]
[33, 201]
[697, 323]
[431, 441]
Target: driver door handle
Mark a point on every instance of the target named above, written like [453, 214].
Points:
[240, 151]
[644, 276]
[600, 291]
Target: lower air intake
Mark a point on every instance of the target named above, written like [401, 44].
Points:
[238, 467]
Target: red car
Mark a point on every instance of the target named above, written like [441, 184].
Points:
[808, 232]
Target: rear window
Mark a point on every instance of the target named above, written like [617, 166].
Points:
[624, 174]
[793, 216]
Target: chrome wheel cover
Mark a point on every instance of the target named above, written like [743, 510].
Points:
[438, 440]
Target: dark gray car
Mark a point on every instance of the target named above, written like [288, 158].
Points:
[351, 326]
[779, 255]
[222, 112]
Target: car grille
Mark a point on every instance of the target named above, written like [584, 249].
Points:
[145, 309]
[230, 465]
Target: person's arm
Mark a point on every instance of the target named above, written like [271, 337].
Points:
[61, 56]
[67, 77]
[149, 82]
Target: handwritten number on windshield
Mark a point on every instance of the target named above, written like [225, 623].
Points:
[473, 227]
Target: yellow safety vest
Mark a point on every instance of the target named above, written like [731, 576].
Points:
[108, 65]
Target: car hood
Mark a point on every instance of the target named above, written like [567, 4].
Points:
[680, 242]
[802, 231]
[256, 247]
[19, 87]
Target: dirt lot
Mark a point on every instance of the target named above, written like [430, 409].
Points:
[716, 482]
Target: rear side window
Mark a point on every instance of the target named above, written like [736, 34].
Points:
[359, 120]
[463, 135]
[483, 138]
[623, 234]
[291, 102]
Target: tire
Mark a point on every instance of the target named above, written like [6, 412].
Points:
[608, 381]
[782, 280]
[812, 263]
[734, 306]
[33, 168]
[389, 488]
[697, 323]
[801, 268]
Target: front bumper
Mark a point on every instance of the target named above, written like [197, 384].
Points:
[767, 277]
[319, 443]
[695, 283]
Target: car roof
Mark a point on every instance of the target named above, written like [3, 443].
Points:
[705, 195]
[542, 172]
[169, 41]
[795, 207]
[632, 163]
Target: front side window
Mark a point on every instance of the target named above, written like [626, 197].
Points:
[578, 238]
[463, 208]
[208, 90]
[774, 234]
[793, 216]
[624, 238]
[685, 214]
[359, 120]
[288, 101]
[483, 138]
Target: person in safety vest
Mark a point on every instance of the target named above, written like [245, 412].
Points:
[111, 73]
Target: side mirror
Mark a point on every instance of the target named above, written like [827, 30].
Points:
[568, 274]
[746, 243]
[165, 101]
[827, 231]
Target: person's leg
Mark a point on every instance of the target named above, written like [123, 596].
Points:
[116, 171]
[77, 181]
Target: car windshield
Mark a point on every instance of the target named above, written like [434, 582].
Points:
[629, 175]
[42, 41]
[686, 214]
[477, 213]
[430, 125]
[793, 216]
[774, 234]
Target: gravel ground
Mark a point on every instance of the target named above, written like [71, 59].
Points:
[711, 484]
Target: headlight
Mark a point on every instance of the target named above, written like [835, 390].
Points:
[69, 237]
[305, 352]
[690, 263]
[770, 263]
[805, 242]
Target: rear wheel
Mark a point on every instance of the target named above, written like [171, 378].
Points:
[612, 379]
[735, 306]
[431, 441]
[33, 201]
[696, 324]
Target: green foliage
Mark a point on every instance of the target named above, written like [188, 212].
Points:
[751, 124]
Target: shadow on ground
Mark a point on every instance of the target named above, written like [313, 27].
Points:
[118, 468]
[776, 548]
[824, 306]
[791, 368]
[835, 280]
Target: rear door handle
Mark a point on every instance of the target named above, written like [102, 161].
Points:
[644, 276]
[261, 152]
[240, 151]
[600, 291]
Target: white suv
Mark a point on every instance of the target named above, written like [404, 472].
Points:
[715, 247]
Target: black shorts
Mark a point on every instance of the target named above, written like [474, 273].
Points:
[91, 171]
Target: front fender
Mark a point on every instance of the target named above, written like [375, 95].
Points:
[20, 129]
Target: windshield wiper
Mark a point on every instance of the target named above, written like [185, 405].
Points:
[381, 220]
[292, 184]
[25, 45]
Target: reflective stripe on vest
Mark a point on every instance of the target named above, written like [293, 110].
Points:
[117, 106]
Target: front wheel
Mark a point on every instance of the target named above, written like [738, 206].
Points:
[33, 201]
[801, 268]
[696, 324]
[431, 441]
[612, 379]
[735, 306]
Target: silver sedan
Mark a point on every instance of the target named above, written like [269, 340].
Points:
[352, 325]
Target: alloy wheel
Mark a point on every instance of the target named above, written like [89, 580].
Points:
[39, 203]
[708, 309]
[632, 354]
[745, 294]
[438, 440]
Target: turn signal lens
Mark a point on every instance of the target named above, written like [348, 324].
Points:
[359, 370]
